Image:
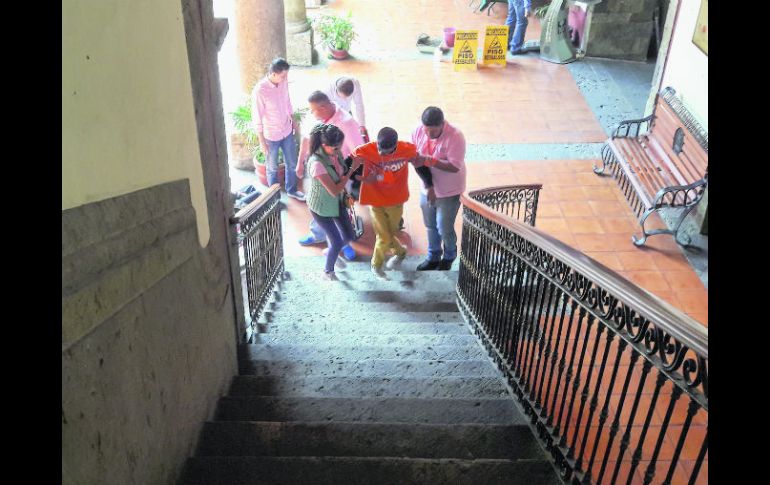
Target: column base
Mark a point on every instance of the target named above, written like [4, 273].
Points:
[299, 48]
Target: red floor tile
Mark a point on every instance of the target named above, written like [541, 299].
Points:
[636, 260]
[584, 225]
[576, 208]
[683, 280]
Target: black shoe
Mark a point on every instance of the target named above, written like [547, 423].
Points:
[445, 264]
[427, 265]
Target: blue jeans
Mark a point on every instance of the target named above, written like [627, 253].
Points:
[338, 231]
[289, 148]
[317, 231]
[517, 24]
[439, 220]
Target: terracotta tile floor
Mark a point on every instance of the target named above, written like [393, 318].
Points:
[528, 101]
[395, 24]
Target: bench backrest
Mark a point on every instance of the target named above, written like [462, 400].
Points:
[678, 139]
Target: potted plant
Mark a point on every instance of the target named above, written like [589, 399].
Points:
[336, 32]
[250, 144]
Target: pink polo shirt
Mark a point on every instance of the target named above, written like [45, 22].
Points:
[271, 109]
[342, 120]
[448, 148]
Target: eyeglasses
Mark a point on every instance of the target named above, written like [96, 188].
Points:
[386, 151]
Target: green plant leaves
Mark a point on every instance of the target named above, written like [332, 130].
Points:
[335, 32]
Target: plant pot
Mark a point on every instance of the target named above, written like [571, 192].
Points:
[242, 156]
[338, 54]
[449, 36]
[262, 174]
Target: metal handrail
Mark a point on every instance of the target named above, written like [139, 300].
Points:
[260, 236]
[680, 325]
[517, 285]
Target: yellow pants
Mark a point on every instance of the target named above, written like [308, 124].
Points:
[385, 221]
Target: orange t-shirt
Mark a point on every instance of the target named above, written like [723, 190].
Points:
[391, 187]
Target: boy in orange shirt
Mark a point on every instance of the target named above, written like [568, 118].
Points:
[384, 189]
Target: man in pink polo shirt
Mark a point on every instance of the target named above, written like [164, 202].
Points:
[437, 139]
[323, 110]
[273, 120]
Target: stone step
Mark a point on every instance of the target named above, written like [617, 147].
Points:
[311, 263]
[325, 339]
[369, 368]
[407, 387]
[368, 327]
[359, 284]
[252, 470]
[362, 352]
[299, 316]
[311, 296]
[347, 303]
[364, 273]
[412, 440]
[381, 410]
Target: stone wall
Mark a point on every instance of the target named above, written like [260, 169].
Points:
[147, 337]
[621, 29]
[149, 315]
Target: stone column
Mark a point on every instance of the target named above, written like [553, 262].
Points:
[261, 36]
[299, 35]
[621, 29]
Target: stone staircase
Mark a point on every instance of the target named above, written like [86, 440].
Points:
[363, 381]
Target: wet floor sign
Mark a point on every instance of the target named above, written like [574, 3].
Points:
[495, 41]
[466, 45]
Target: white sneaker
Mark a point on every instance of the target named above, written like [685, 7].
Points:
[379, 273]
[329, 276]
[395, 261]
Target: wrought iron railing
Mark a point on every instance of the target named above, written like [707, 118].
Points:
[516, 201]
[260, 241]
[614, 379]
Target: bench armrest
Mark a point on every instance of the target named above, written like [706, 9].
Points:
[625, 127]
[681, 195]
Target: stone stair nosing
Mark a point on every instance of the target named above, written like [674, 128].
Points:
[367, 409]
[367, 368]
[315, 470]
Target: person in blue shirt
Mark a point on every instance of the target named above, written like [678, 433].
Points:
[518, 11]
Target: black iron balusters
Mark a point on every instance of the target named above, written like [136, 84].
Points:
[259, 234]
[600, 366]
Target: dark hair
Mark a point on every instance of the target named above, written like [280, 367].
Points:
[387, 138]
[318, 97]
[432, 116]
[345, 86]
[328, 135]
[279, 64]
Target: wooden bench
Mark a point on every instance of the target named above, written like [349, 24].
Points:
[660, 161]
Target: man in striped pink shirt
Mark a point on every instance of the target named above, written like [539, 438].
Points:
[273, 120]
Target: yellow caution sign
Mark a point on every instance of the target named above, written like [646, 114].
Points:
[495, 42]
[466, 45]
